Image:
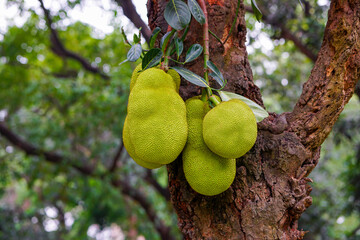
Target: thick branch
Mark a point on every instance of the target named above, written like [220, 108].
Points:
[31, 150]
[125, 187]
[130, 12]
[59, 49]
[332, 81]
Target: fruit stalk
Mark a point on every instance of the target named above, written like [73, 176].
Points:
[167, 50]
[206, 52]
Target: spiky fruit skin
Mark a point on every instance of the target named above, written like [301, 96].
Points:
[135, 75]
[131, 149]
[175, 76]
[230, 129]
[156, 118]
[206, 172]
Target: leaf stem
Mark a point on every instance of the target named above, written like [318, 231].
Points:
[216, 37]
[167, 50]
[125, 38]
[206, 45]
[176, 61]
[234, 22]
[185, 32]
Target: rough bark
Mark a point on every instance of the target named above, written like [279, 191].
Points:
[270, 190]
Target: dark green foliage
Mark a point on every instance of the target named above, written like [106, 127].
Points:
[190, 76]
[57, 106]
[177, 14]
[151, 58]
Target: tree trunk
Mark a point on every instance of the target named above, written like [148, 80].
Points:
[270, 190]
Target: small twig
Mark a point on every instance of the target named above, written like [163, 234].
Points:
[149, 177]
[59, 49]
[116, 158]
[135, 194]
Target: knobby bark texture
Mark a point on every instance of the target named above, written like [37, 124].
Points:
[271, 190]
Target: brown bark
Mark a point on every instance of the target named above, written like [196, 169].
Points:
[270, 191]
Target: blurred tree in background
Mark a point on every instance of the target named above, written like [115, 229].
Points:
[64, 173]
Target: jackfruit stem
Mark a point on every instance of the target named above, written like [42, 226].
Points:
[206, 46]
[214, 100]
[167, 50]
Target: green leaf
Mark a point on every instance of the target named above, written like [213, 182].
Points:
[218, 80]
[256, 10]
[136, 39]
[258, 111]
[196, 11]
[166, 38]
[191, 77]
[153, 37]
[179, 47]
[177, 14]
[151, 58]
[134, 53]
[194, 51]
[216, 74]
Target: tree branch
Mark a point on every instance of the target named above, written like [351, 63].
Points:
[287, 34]
[59, 49]
[31, 150]
[149, 177]
[116, 158]
[130, 12]
[333, 78]
[125, 187]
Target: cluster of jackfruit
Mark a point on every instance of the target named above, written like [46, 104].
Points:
[216, 138]
[206, 172]
[159, 126]
[155, 128]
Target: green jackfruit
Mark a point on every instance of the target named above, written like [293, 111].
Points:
[156, 118]
[206, 172]
[135, 75]
[175, 76]
[230, 129]
[131, 150]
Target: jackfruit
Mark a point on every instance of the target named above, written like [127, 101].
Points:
[135, 75]
[230, 129]
[206, 172]
[175, 76]
[156, 118]
[131, 150]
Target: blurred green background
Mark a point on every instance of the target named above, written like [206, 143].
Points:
[53, 103]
